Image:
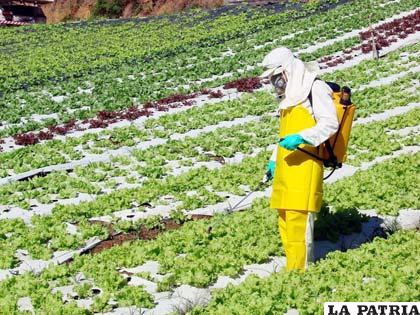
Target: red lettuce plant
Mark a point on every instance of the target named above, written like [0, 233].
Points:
[244, 85]
[26, 139]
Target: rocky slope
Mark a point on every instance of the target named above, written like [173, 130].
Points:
[65, 10]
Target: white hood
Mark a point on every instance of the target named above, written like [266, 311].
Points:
[299, 83]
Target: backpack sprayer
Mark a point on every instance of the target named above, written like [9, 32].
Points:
[333, 152]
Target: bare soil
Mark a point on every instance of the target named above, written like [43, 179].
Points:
[142, 234]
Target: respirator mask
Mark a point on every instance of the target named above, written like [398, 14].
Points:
[279, 83]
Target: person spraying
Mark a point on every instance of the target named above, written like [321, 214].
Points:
[308, 118]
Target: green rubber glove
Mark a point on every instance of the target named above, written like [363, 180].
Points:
[271, 166]
[291, 142]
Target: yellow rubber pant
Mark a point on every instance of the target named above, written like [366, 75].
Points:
[296, 231]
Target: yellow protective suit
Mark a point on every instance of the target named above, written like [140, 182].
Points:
[297, 189]
[298, 177]
[296, 228]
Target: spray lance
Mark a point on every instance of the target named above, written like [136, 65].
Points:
[279, 82]
[267, 177]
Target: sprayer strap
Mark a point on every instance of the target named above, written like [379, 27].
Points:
[311, 154]
[330, 150]
[331, 156]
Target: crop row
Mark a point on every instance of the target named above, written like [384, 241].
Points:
[387, 65]
[223, 144]
[393, 201]
[219, 251]
[369, 70]
[361, 192]
[221, 29]
[171, 39]
[377, 139]
[196, 254]
[104, 119]
[114, 95]
[54, 152]
[349, 276]
[52, 227]
[397, 29]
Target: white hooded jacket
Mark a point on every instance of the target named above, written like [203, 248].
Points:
[300, 80]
